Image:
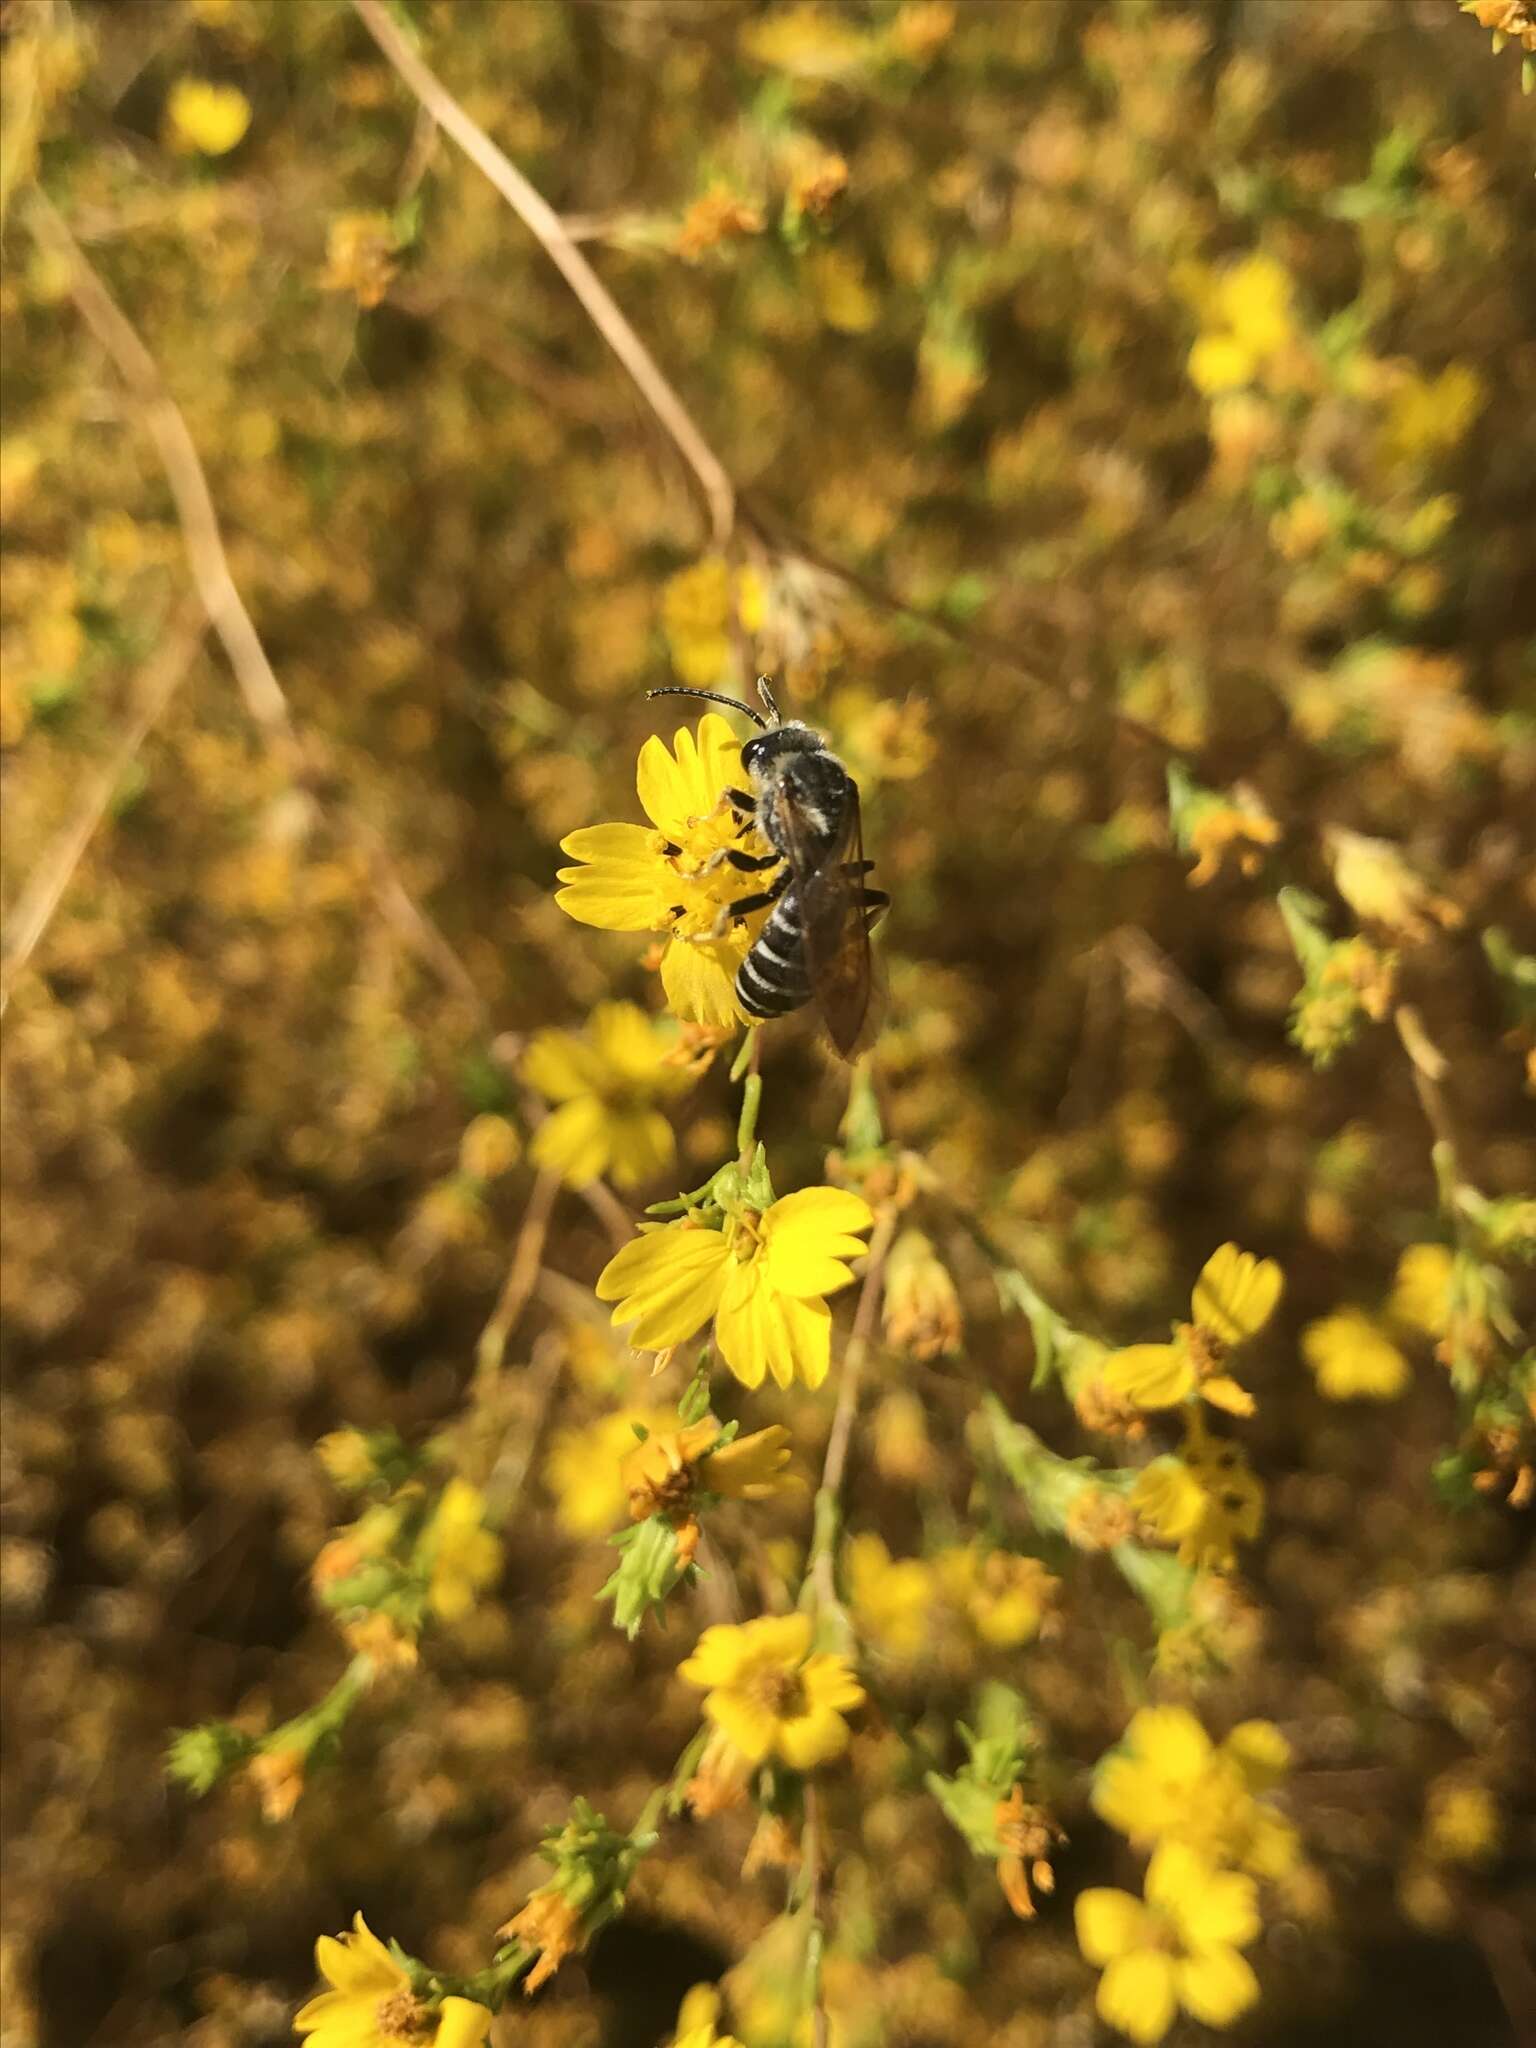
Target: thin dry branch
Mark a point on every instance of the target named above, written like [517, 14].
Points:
[522, 1277]
[41, 895]
[540, 218]
[216, 589]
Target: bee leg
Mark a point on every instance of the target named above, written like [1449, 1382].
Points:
[751, 864]
[875, 899]
[741, 800]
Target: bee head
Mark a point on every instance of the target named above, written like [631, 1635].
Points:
[765, 749]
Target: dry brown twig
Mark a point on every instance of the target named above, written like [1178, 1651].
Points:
[216, 588]
[540, 218]
[834, 1464]
[522, 1278]
[40, 897]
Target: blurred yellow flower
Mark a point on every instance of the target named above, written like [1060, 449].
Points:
[1244, 829]
[1461, 1821]
[489, 1147]
[1421, 1293]
[371, 2005]
[891, 1599]
[1353, 1357]
[1207, 1500]
[1167, 1781]
[607, 1084]
[585, 1468]
[1003, 1595]
[716, 216]
[204, 119]
[1429, 416]
[674, 878]
[769, 1695]
[1234, 1298]
[464, 1556]
[762, 1277]
[696, 605]
[696, 2018]
[1177, 1947]
[1247, 320]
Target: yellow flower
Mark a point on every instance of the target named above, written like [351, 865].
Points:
[1234, 1298]
[674, 878]
[1353, 1357]
[1421, 1293]
[696, 604]
[1177, 1947]
[1207, 1500]
[205, 119]
[464, 1556]
[769, 1695]
[696, 2018]
[1004, 1596]
[585, 1468]
[1167, 1781]
[1247, 322]
[371, 2004]
[891, 1599]
[763, 1279]
[665, 1474]
[607, 1084]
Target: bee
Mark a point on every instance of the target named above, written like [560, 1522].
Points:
[816, 940]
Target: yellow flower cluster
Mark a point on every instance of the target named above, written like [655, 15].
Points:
[1198, 1807]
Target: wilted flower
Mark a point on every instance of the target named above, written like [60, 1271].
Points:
[769, 1695]
[920, 1309]
[1026, 1836]
[762, 1277]
[585, 1467]
[665, 1474]
[1379, 886]
[607, 1083]
[1179, 1947]
[1234, 1298]
[719, 215]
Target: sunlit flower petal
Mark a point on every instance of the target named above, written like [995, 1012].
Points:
[1138, 1995]
[1151, 1375]
[1236, 1294]
[667, 1283]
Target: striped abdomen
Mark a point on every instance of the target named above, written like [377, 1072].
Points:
[772, 980]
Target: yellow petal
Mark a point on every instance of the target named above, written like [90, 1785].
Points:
[812, 1738]
[1109, 1924]
[1138, 1994]
[829, 1681]
[1151, 1375]
[573, 1140]
[1224, 1392]
[560, 1066]
[462, 2024]
[759, 1331]
[667, 1283]
[632, 1045]
[746, 1724]
[1208, 1906]
[626, 885]
[1217, 1985]
[675, 791]
[723, 1651]
[1261, 1752]
[640, 1144]
[1236, 1294]
[699, 980]
[808, 1235]
[335, 2010]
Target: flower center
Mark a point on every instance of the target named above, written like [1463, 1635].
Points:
[1208, 1353]
[403, 2017]
[780, 1692]
[705, 881]
[743, 1234]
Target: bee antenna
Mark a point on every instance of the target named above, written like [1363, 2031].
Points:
[765, 691]
[713, 697]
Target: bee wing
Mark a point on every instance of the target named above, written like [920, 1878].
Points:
[829, 888]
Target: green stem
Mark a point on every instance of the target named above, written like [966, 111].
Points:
[746, 1129]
